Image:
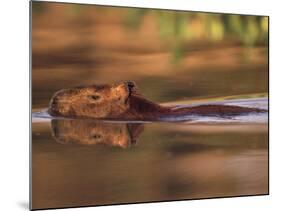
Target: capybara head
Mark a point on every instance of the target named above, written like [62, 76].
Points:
[88, 132]
[96, 101]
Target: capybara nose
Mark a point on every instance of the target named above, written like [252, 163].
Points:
[130, 85]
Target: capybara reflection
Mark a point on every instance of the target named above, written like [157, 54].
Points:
[88, 132]
[124, 101]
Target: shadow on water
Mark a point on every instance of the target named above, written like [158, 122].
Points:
[88, 132]
[83, 162]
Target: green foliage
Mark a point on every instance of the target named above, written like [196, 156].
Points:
[180, 28]
[134, 17]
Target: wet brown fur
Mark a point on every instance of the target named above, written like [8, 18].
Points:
[123, 101]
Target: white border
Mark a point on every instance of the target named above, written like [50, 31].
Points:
[15, 103]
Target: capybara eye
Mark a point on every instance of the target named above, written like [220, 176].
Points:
[94, 97]
[96, 136]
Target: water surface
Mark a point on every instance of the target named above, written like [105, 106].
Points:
[78, 162]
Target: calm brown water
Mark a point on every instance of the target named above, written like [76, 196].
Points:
[91, 163]
[83, 162]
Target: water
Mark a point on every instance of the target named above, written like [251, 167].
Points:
[167, 161]
[87, 162]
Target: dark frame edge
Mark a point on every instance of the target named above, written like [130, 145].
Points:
[30, 105]
[268, 123]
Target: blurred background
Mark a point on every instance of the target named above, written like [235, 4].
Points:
[171, 55]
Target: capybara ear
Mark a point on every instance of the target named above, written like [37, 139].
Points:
[134, 88]
[131, 84]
